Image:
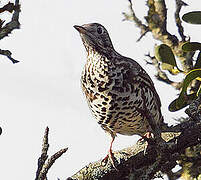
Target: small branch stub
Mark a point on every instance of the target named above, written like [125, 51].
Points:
[44, 164]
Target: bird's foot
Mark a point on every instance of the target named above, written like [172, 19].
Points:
[110, 158]
[146, 136]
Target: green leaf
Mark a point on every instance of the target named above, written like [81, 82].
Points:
[164, 54]
[179, 103]
[193, 17]
[183, 98]
[191, 46]
[189, 77]
[198, 61]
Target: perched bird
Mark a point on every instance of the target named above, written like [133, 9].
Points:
[119, 92]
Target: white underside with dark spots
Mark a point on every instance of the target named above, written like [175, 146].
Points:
[116, 90]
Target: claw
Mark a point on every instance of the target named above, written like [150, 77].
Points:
[146, 137]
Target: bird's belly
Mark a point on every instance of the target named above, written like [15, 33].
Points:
[118, 113]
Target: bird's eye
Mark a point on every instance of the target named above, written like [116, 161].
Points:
[99, 30]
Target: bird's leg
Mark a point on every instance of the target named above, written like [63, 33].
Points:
[110, 151]
[146, 136]
[110, 156]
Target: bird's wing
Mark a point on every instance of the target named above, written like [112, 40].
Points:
[137, 71]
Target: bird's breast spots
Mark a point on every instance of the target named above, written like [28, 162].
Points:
[101, 89]
[118, 89]
[103, 109]
[109, 83]
[124, 103]
[117, 82]
[101, 76]
[112, 95]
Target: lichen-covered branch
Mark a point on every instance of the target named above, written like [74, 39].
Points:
[44, 164]
[179, 5]
[132, 163]
[44, 156]
[156, 23]
[132, 17]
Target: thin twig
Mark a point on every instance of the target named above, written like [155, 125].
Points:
[45, 164]
[142, 35]
[161, 76]
[132, 17]
[8, 54]
[44, 156]
[10, 7]
[13, 24]
[9, 27]
[179, 5]
[50, 162]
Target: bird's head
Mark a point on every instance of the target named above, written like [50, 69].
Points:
[95, 35]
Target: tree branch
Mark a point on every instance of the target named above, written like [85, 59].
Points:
[43, 166]
[13, 24]
[156, 21]
[9, 27]
[179, 5]
[8, 54]
[131, 162]
[132, 17]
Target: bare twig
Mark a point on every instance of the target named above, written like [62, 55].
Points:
[9, 27]
[8, 54]
[161, 75]
[179, 5]
[44, 156]
[142, 35]
[50, 162]
[13, 24]
[10, 7]
[132, 17]
[44, 166]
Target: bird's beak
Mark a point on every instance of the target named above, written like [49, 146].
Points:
[80, 29]
[85, 35]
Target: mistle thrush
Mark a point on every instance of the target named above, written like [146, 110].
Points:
[119, 92]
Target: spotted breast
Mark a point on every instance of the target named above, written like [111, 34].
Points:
[119, 92]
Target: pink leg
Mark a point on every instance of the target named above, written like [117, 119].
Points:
[110, 155]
